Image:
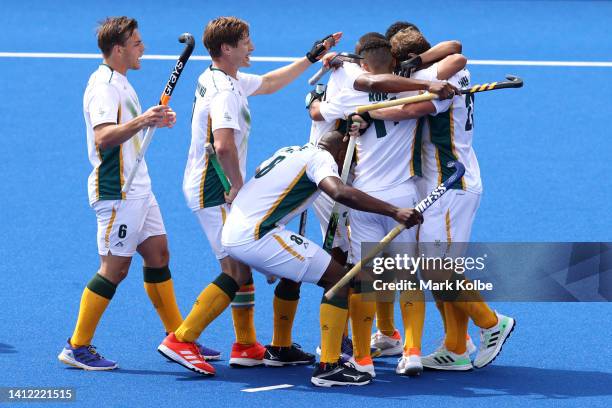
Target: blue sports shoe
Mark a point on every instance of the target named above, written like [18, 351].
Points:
[85, 357]
[346, 348]
[208, 353]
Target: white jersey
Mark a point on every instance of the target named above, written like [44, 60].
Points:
[448, 136]
[109, 98]
[284, 186]
[384, 153]
[220, 103]
[340, 78]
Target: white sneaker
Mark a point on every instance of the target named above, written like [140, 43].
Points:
[470, 346]
[442, 359]
[388, 345]
[492, 340]
[365, 365]
[410, 365]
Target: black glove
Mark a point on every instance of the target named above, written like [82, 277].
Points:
[318, 49]
[315, 95]
[365, 116]
[408, 66]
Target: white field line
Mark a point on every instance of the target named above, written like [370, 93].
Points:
[269, 388]
[59, 55]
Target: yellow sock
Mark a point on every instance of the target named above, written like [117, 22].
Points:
[96, 297]
[480, 313]
[450, 316]
[477, 309]
[412, 305]
[362, 314]
[284, 313]
[333, 315]
[213, 300]
[457, 334]
[385, 318]
[243, 314]
[160, 289]
[286, 299]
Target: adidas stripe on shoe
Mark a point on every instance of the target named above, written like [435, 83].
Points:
[186, 354]
[492, 340]
[443, 359]
[247, 355]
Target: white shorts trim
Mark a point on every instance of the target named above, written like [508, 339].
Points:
[284, 254]
[125, 224]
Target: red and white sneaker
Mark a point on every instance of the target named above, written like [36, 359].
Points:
[186, 354]
[247, 355]
[388, 345]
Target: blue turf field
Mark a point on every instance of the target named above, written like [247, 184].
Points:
[544, 152]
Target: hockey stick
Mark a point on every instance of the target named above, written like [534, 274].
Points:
[187, 39]
[514, 82]
[336, 61]
[421, 207]
[328, 242]
[396, 102]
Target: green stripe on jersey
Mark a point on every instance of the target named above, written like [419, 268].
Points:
[132, 108]
[442, 138]
[211, 194]
[417, 169]
[291, 200]
[109, 174]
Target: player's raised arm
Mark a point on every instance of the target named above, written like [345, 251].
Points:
[409, 61]
[450, 65]
[410, 111]
[281, 77]
[395, 84]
